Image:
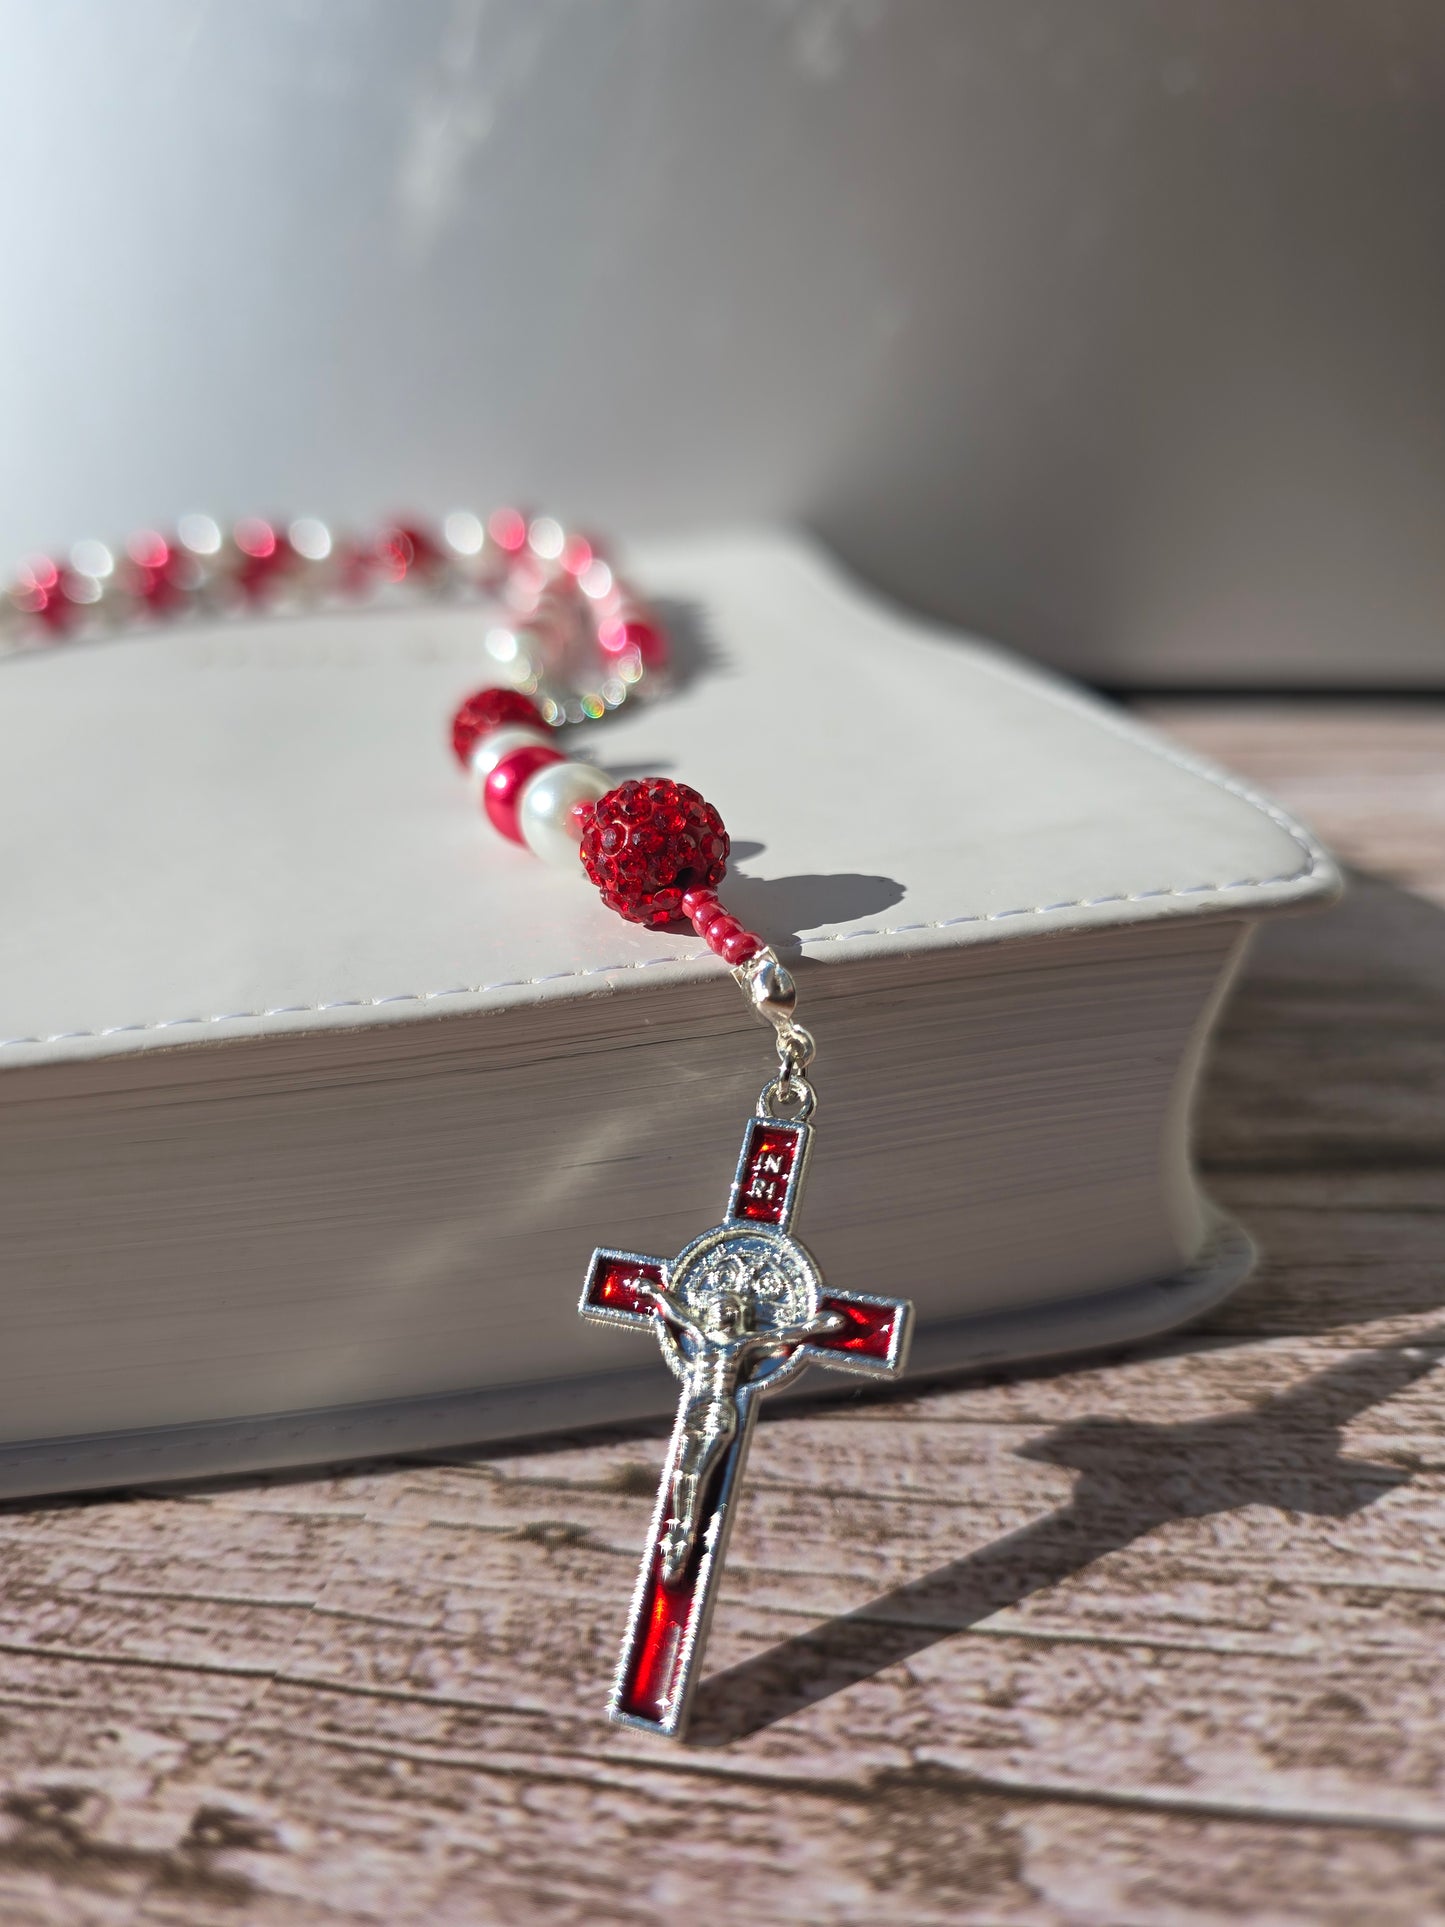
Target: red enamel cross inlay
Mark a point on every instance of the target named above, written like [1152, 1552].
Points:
[763, 1193]
[871, 1328]
[613, 1281]
[741, 1308]
[646, 1688]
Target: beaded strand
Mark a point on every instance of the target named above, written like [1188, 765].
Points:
[575, 641]
[573, 634]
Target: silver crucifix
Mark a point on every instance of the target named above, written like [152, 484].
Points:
[741, 1309]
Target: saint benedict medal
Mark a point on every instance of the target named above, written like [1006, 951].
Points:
[741, 1309]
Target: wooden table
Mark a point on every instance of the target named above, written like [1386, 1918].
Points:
[1155, 1640]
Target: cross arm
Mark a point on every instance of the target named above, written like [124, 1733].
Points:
[616, 1292]
[771, 1168]
[872, 1338]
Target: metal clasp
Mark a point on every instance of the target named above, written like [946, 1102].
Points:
[770, 989]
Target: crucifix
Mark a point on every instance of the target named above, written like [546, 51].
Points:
[740, 1310]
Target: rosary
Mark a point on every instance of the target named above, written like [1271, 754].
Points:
[743, 1307]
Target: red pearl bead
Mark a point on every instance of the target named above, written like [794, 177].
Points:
[503, 789]
[488, 709]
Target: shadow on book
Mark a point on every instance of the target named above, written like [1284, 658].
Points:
[782, 908]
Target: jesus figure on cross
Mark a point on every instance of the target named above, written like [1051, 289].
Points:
[726, 1342]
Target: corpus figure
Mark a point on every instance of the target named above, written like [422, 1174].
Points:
[727, 1341]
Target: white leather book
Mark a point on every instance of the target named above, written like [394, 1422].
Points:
[315, 1095]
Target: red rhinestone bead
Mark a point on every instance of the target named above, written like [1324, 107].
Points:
[647, 844]
[503, 788]
[489, 709]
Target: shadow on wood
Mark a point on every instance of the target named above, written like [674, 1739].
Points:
[1133, 1477]
[1321, 1128]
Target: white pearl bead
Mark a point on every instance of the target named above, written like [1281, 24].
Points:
[544, 812]
[514, 651]
[489, 750]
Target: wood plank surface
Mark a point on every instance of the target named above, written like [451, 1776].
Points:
[1155, 1640]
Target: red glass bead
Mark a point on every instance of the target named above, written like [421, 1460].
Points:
[489, 709]
[721, 933]
[157, 589]
[629, 636]
[508, 529]
[55, 609]
[725, 936]
[158, 573]
[578, 555]
[42, 592]
[403, 550]
[148, 550]
[503, 788]
[354, 567]
[738, 947]
[265, 558]
[647, 844]
[701, 908]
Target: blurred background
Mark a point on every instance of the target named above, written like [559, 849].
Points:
[1114, 330]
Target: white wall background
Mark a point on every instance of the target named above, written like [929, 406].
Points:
[1111, 327]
